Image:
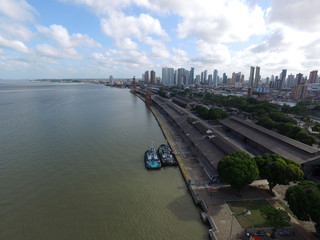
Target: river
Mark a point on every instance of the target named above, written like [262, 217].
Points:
[71, 167]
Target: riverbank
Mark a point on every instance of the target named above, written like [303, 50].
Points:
[211, 197]
[190, 169]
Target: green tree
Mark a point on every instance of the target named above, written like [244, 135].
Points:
[278, 218]
[266, 122]
[304, 201]
[278, 170]
[237, 169]
[285, 108]
[305, 138]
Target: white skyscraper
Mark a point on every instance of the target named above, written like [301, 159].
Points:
[168, 76]
[215, 78]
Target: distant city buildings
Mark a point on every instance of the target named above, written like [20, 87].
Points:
[296, 87]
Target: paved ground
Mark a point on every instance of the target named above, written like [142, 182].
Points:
[216, 195]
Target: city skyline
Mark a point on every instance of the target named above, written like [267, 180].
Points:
[88, 39]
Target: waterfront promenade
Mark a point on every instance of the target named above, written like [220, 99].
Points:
[211, 197]
[194, 173]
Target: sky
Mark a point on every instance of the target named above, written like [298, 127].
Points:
[124, 38]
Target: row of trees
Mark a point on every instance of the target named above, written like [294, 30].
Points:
[240, 169]
[210, 114]
[288, 129]
[269, 115]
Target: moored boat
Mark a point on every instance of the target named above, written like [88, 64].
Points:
[166, 156]
[151, 160]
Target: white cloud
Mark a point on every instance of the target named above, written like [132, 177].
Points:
[127, 44]
[211, 54]
[303, 15]
[180, 58]
[158, 48]
[50, 51]
[78, 39]
[13, 30]
[60, 35]
[18, 10]
[220, 21]
[130, 61]
[13, 44]
[101, 6]
[65, 43]
[120, 26]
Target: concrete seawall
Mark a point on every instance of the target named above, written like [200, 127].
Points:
[170, 142]
[186, 177]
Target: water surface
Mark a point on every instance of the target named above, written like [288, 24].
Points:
[71, 167]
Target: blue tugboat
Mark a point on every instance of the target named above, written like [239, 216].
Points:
[151, 160]
[166, 156]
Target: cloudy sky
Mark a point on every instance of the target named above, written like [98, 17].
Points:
[98, 38]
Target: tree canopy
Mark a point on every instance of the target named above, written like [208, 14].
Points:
[278, 218]
[304, 201]
[269, 115]
[212, 114]
[238, 169]
[278, 170]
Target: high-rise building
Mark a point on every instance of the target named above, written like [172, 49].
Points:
[242, 78]
[313, 76]
[182, 78]
[198, 79]
[283, 76]
[233, 78]
[205, 75]
[238, 77]
[215, 78]
[251, 77]
[300, 92]
[175, 79]
[224, 78]
[210, 80]
[290, 81]
[191, 76]
[299, 79]
[146, 77]
[153, 77]
[257, 77]
[186, 78]
[168, 76]
[267, 80]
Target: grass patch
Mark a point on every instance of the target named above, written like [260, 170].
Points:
[288, 210]
[255, 219]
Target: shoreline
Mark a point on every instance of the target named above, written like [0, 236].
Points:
[178, 152]
[212, 197]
